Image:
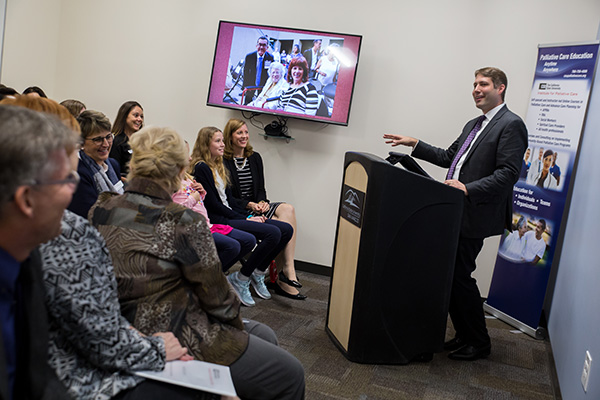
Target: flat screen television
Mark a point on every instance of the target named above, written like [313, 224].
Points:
[273, 70]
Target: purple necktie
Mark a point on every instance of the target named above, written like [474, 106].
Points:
[465, 146]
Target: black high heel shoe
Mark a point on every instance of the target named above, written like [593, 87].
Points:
[278, 290]
[290, 282]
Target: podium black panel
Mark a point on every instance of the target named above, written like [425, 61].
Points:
[393, 262]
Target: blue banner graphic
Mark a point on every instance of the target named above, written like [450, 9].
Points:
[555, 117]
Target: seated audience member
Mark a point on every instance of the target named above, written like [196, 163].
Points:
[535, 246]
[129, 120]
[75, 315]
[35, 91]
[170, 279]
[6, 91]
[93, 349]
[75, 107]
[274, 87]
[232, 244]
[207, 167]
[97, 171]
[513, 244]
[248, 185]
[301, 97]
[37, 185]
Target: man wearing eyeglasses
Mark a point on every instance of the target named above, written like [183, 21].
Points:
[37, 182]
[256, 67]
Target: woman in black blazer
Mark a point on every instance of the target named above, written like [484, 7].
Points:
[248, 187]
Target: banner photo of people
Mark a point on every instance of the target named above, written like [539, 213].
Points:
[555, 118]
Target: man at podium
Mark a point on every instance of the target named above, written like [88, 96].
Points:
[484, 162]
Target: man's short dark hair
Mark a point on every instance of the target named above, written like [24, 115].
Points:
[497, 76]
[262, 38]
[543, 222]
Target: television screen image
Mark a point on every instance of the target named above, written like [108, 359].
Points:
[285, 72]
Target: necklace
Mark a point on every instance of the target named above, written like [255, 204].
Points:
[237, 165]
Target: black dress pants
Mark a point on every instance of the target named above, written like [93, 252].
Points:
[466, 307]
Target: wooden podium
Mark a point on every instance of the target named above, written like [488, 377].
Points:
[393, 262]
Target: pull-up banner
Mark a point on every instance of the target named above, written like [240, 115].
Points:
[557, 108]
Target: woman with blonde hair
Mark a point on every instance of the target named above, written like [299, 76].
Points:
[169, 276]
[248, 186]
[208, 169]
[232, 244]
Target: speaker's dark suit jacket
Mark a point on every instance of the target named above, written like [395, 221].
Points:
[489, 172]
[250, 69]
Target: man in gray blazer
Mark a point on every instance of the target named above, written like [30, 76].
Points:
[484, 162]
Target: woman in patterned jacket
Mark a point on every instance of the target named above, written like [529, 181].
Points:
[169, 275]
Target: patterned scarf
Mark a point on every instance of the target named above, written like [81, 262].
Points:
[103, 179]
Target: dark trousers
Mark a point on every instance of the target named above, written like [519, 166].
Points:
[265, 371]
[466, 308]
[272, 235]
[233, 246]
[150, 389]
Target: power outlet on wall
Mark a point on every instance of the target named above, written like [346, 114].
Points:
[587, 366]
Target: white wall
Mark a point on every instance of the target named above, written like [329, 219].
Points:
[414, 75]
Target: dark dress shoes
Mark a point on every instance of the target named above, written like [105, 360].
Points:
[278, 290]
[290, 282]
[453, 344]
[470, 353]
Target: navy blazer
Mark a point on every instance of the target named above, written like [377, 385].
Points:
[489, 172]
[258, 179]
[218, 212]
[86, 194]
[34, 377]
[250, 69]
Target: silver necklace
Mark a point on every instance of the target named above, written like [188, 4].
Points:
[237, 165]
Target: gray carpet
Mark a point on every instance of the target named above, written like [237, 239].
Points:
[518, 368]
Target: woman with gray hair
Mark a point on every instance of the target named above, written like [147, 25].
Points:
[98, 172]
[274, 87]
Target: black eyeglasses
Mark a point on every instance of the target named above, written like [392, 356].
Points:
[71, 179]
[100, 139]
